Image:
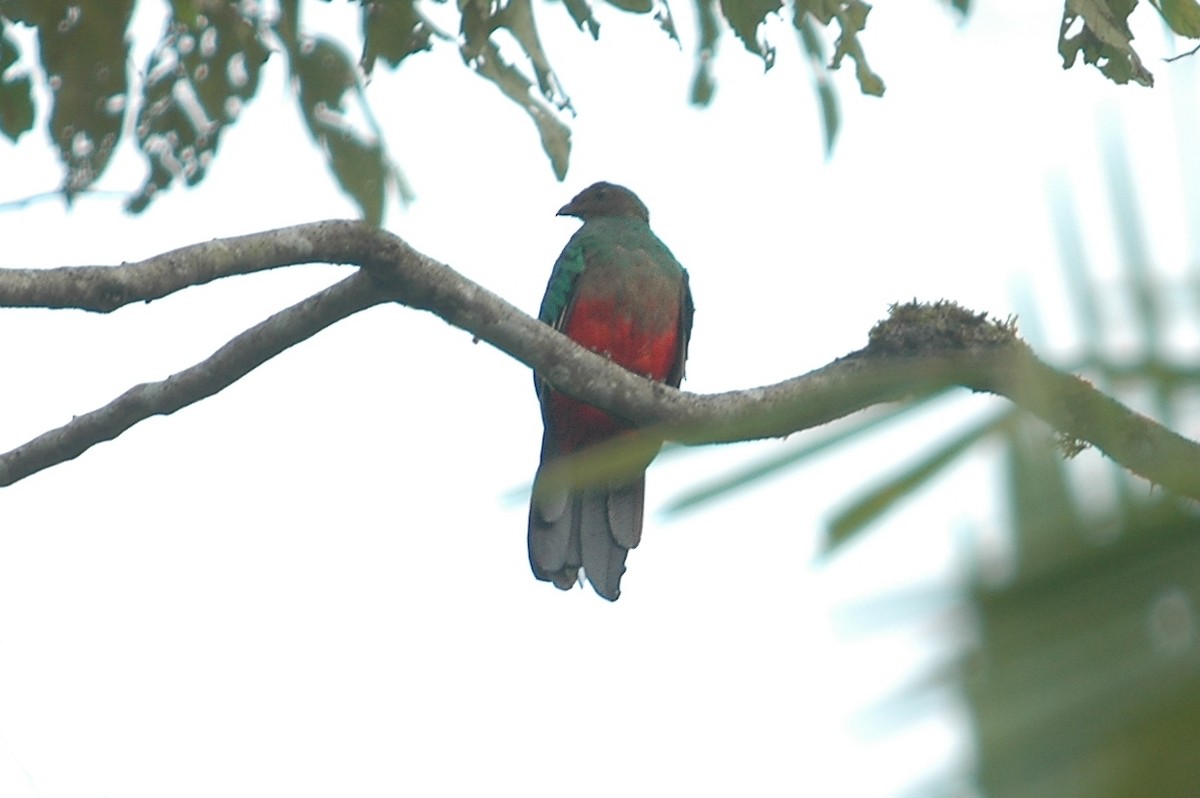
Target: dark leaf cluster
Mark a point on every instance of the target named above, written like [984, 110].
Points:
[206, 67]
[1098, 31]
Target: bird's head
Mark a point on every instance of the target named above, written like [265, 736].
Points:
[605, 199]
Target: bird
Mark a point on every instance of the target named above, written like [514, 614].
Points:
[617, 290]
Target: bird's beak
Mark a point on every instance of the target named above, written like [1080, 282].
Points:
[567, 210]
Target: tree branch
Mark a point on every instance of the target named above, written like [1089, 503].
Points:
[105, 288]
[918, 349]
[228, 364]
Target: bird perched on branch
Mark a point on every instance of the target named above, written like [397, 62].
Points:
[617, 290]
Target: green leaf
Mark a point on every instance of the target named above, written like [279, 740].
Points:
[84, 49]
[810, 38]
[517, 18]
[662, 12]
[703, 84]
[852, 19]
[555, 136]
[199, 77]
[325, 73]
[483, 55]
[581, 12]
[1183, 16]
[879, 500]
[830, 115]
[392, 30]
[822, 11]
[16, 92]
[745, 17]
[1104, 39]
[362, 170]
[633, 6]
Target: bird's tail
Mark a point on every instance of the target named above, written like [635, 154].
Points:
[591, 529]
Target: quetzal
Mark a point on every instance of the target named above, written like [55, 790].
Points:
[619, 291]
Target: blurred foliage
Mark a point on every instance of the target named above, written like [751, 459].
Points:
[1182, 16]
[1083, 678]
[83, 54]
[1086, 679]
[325, 77]
[16, 91]
[1099, 31]
[205, 68]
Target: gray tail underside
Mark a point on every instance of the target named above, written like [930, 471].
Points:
[591, 530]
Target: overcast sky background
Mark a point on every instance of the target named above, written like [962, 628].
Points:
[315, 583]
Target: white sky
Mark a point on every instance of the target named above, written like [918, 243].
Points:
[315, 583]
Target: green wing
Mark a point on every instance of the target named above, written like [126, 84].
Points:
[567, 269]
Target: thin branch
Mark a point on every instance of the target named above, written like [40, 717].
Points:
[919, 349]
[1187, 54]
[105, 288]
[228, 364]
[43, 196]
